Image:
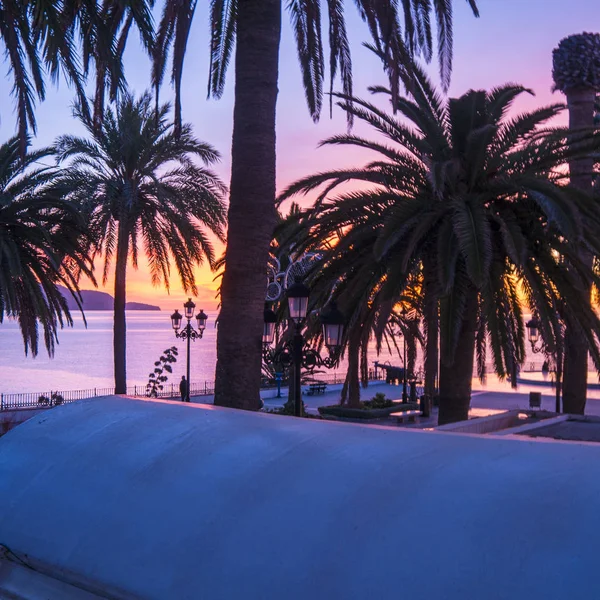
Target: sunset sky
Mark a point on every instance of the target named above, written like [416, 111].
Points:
[512, 41]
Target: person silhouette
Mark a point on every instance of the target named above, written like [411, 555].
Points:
[183, 389]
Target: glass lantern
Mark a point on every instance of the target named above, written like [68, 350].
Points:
[333, 327]
[270, 320]
[202, 318]
[176, 320]
[298, 302]
[189, 307]
[533, 330]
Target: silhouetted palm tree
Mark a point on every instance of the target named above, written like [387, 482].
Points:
[42, 38]
[42, 246]
[576, 72]
[482, 196]
[255, 28]
[370, 293]
[141, 190]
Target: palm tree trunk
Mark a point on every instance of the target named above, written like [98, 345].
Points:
[252, 215]
[581, 115]
[431, 319]
[119, 327]
[352, 375]
[456, 376]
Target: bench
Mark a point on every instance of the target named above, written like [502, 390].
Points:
[316, 388]
[407, 416]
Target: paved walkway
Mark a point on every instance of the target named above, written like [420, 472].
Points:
[331, 396]
[500, 397]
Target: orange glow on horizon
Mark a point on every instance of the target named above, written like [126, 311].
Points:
[140, 288]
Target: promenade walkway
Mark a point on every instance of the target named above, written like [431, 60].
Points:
[495, 396]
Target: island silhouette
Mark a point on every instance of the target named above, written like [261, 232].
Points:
[95, 300]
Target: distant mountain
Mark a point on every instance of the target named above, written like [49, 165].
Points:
[94, 300]
[140, 306]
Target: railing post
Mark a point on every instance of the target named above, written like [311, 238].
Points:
[95, 392]
[1, 401]
[135, 390]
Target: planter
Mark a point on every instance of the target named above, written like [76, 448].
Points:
[343, 412]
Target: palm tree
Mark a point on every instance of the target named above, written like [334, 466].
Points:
[373, 296]
[42, 246]
[483, 197]
[255, 27]
[41, 37]
[138, 185]
[576, 73]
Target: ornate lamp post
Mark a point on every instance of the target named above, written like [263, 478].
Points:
[188, 333]
[295, 352]
[404, 382]
[537, 346]
[409, 317]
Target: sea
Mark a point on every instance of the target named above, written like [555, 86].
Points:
[83, 357]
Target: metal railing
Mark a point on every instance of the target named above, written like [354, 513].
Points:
[56, 397]
[52, 398]
[171, 390]
[49, 399]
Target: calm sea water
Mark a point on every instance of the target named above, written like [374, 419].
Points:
[83, 357]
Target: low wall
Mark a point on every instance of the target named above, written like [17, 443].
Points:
[489, 424]
[528, 427]
[12, 418]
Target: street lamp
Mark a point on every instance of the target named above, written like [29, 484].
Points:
[533, 334]
[404, 383]
[407, 316]
[297, 296]
[333, 327]
[270, 319]
[188, 333]
[295, 352]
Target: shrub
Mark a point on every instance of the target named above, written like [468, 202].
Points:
[55, 399]
[378, 401]
[157, 378]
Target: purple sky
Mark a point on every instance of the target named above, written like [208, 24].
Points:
[512, 41]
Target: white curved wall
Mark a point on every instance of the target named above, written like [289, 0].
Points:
[171, 501]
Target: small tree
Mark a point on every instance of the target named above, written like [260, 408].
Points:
[157, 378]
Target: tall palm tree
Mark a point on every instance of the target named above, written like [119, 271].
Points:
[483, 196]
[576, 73]
[370, 294]
[255, 28]
[382, 18]
[142, 190]
[42, 38]
[42, 246]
